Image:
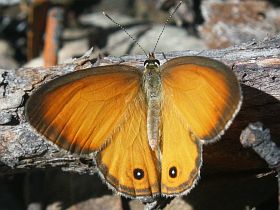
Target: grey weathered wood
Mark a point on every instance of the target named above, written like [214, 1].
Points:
[258, 138]
[257, 66]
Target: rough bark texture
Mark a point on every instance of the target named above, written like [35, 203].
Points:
[257, 66]
[259, 139]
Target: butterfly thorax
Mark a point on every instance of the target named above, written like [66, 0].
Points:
[153, 90]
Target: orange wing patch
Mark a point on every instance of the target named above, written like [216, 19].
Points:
[181, 153]
[79, 111]
[205, 92]
[127, 162]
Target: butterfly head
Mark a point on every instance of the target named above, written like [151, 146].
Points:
[152, 64]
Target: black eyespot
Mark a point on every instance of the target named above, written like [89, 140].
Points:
[173, 172]
[138, 173]
[157, 62]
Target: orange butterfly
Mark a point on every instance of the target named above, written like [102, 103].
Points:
[146, 128]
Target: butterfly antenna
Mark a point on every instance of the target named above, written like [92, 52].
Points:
[167, 20]
[124, 29]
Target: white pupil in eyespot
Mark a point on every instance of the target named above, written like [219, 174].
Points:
[173, 172]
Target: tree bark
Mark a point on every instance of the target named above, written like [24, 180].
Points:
[257, 66]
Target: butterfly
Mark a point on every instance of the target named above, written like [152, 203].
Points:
[145, 128]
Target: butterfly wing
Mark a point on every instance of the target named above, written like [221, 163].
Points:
[127, 162]
[81, 110]
[205, 93]
[181, 154]
[100, 109]
[200, 98]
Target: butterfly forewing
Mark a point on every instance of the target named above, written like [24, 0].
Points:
[81, 110]
[204, 93]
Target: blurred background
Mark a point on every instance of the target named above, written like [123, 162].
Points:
[48, 32]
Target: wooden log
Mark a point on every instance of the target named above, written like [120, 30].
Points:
[257, 66]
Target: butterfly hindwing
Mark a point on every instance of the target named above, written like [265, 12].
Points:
[181, 153]
[127, 163]
[80, 110]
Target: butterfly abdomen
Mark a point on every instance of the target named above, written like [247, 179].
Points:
[153, 90]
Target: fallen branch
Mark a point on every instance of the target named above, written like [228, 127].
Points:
[256, 65]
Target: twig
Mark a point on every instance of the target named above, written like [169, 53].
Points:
[259, 139]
